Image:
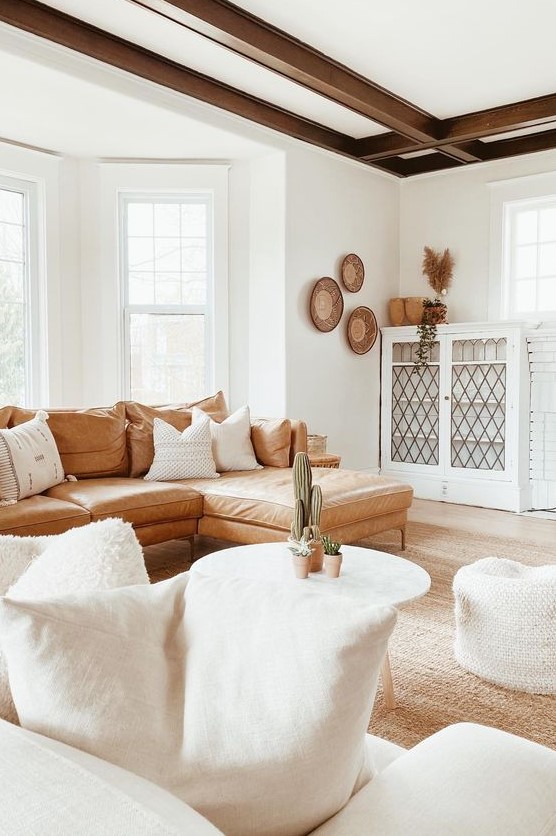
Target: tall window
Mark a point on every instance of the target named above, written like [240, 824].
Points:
[18, 295]
[167, 272]
[530, 258]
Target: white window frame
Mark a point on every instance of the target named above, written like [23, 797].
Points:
[207, 310]
[510, 210]
[535, 189]
[35, 383]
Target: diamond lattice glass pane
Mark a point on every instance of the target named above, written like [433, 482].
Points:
[167, 357]
[415, 415]
[478, 416]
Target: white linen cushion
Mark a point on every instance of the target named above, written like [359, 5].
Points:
[232, 447]
[29, 460]
[101, 555]
[182, 455]
[248, 701]
[53, 790]
[466, 780]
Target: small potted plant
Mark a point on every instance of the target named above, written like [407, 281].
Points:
[307, 509]
[332, 556]
[301, 557]
[438, 268]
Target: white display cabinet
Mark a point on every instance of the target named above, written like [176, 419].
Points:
[457, 429]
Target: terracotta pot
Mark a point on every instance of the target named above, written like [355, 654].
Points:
[332, 565]
[413, 309]
[301, 563]
[435, 314]
[396, 311]
[317, 556]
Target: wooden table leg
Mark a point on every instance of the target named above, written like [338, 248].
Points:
[387, 684]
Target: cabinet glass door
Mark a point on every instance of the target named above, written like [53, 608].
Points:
[415, 406]
[478, 404]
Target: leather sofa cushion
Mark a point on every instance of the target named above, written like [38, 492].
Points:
[271, 441]
[265, 497]
[139, 433]
[134, 500]
[37, 515]
[91, 442]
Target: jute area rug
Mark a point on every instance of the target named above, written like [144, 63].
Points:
[431, 689]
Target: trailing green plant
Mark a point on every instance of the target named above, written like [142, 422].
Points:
[308, 501]
[330, 546]
[434, 313]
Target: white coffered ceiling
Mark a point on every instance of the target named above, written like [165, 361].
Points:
[444, 59]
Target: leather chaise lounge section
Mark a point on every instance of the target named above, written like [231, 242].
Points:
[109, 449]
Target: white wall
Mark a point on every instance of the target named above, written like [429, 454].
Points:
[453, 209]
[334, 208]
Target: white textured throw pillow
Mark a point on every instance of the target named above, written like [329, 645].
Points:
[29, 460]
[249, 701]
[182, 455]
[232, 448]
[101, 555]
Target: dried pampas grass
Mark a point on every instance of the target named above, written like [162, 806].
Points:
[438, 268]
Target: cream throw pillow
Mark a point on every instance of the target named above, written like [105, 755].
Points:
[231, 440]
[182, 455]
[249, 701]
[29, 460]
[101, 555]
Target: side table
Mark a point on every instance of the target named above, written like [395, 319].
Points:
[324, 460]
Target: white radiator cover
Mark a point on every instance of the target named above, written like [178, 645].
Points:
[541, 348]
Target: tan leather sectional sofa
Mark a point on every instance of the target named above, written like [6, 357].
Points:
[108, 450]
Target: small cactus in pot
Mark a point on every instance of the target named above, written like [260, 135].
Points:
[332, 556]
[330, 546]
[307, 509]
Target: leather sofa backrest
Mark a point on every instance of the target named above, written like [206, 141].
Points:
[91, 442]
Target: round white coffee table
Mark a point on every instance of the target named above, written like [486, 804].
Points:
[369, 575]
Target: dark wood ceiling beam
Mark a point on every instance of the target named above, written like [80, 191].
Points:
[253, 38]
[498, 120]
[512, 147]
[427, 164]
[383, 146]
[70, 32]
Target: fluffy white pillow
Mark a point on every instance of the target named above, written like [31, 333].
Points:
[29, 460]
[249, 701]
[101, 555]
[182, 455]
[232, 447]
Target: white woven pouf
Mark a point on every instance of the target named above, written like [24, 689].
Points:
[506, 623]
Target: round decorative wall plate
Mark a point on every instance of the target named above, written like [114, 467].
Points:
[362, 330]
[353, 272]
[327, 304]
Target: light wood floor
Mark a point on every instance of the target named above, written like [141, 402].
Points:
[484, 521]
[166, 559]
